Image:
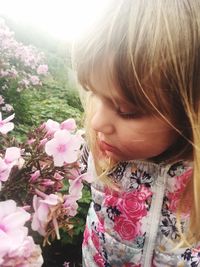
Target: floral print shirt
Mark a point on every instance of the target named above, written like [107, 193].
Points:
[136, 225]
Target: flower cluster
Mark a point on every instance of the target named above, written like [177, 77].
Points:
[16, 247]
[21, 66]
[44, 177]
[23, 63]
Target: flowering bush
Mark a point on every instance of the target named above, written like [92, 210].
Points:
[41, 181]
[24, 63]
[21, 67]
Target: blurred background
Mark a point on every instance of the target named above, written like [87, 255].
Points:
[37, 82]
[50, 26]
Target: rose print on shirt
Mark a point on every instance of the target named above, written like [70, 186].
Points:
[127, 210]
[126, 228]
[180, 184]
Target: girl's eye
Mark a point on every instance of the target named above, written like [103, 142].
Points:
[129, 115]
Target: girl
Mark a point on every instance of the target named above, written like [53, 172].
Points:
[141, 67]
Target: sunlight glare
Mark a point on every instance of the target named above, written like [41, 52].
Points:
[65, 19]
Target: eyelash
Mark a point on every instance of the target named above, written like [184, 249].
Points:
[126, 115]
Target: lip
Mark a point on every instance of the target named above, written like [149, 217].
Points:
[106, 147]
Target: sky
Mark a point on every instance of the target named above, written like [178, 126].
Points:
[64, 19]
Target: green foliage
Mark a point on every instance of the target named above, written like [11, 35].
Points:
[32, 107]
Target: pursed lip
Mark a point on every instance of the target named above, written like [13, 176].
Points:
[107, 147]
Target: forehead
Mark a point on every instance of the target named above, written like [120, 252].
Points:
[103, 83]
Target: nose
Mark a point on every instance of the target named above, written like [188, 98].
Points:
[102, 120]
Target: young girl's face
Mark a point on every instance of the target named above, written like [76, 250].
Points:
[123, 131]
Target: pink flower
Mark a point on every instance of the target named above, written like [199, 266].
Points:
[52, 126]
[68, 124]
[43, 142]
[34, 176]
[70, 205]
[34, 80]
[25, 83]
[47, 182]
[58, 177]
[42, 69]
[12, 155]
[126, 228]
[45, 211]
[28, 254]
[75, 188]
[12, 230]
[4, 171]
[5, 125]
[64, 147]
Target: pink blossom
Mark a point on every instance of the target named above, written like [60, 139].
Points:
[75, 193]
[13, 235]
[73, 174]
[34, 80]
[4, 171]
[25, 83]
[28, 254]
[31, 141]
[5, 125]
[12, 155]
[42, 69]
[4, 73]
[44, 208]
[52, 126]
[70, 205]
[68, 124]
[64, 147]
[75, 188]
[58, 177]
[34, 176]
[47, 182]
[43, 142]
[40, 217]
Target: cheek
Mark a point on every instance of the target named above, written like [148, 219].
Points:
[161, 141]
[149, 143]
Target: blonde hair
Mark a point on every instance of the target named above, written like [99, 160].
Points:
[155, 51]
